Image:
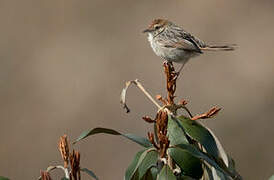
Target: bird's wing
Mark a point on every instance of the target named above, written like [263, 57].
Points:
[180, 39]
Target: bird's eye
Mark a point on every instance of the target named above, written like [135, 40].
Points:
[157, 27]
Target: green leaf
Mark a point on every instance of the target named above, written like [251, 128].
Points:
[130, 170]
[3, 178]
[211, 173]
[154, 172]
[89, 172]
[190, 165]
[271, 178]
[175, 133]
[210, 143]
[148, 176]
[139, 158]
[166, 174]
[208, 175]
[199, 133]
[135, 176]
[203, 156]
[139, 140]
[149, 161]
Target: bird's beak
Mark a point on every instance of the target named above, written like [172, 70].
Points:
[146, 30]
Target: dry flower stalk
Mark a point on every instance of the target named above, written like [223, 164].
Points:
[161, 125]
[161, 122]
[164, 145]
[161, 119]
[211, 113]
[75, 165]
[64, 149]
[151, 139]
[171, 77]
[183, 102]
[148, 119]
[160, 98]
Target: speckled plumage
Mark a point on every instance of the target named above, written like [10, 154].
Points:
[173, 43]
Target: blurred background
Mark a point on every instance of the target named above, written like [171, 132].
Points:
[63, 65]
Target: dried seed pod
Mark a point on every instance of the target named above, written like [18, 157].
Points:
[75, 165]
[64, 149]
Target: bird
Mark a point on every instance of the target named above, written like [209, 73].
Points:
[173, 44]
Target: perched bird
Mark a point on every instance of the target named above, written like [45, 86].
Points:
[174, 44]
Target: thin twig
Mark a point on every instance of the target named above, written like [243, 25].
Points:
[140, 86]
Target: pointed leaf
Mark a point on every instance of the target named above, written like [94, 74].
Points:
[217, 174]
[139, 140]
[166, 174]
[203, 156]
[190, 165]
[211, 173]
[140, 156]
[130, 170]
[206, 138]
[89, 172]
[175, 133]
[224, 160]
[200, 134]
[210, 143]
[149, 161]
[87, 133]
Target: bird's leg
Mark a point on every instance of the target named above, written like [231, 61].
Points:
[178, 72]
[182, 66]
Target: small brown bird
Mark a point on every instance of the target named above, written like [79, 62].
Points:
[174, 44]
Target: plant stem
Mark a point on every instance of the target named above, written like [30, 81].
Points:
[140, 86]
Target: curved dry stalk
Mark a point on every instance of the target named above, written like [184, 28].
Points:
[141, 87]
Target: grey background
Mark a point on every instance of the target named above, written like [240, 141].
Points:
[63, 65]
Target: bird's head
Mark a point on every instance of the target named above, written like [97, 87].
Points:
[156, 27]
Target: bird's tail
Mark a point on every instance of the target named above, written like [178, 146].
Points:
[229, 47]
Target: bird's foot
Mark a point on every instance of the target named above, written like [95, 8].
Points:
[176, 75]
